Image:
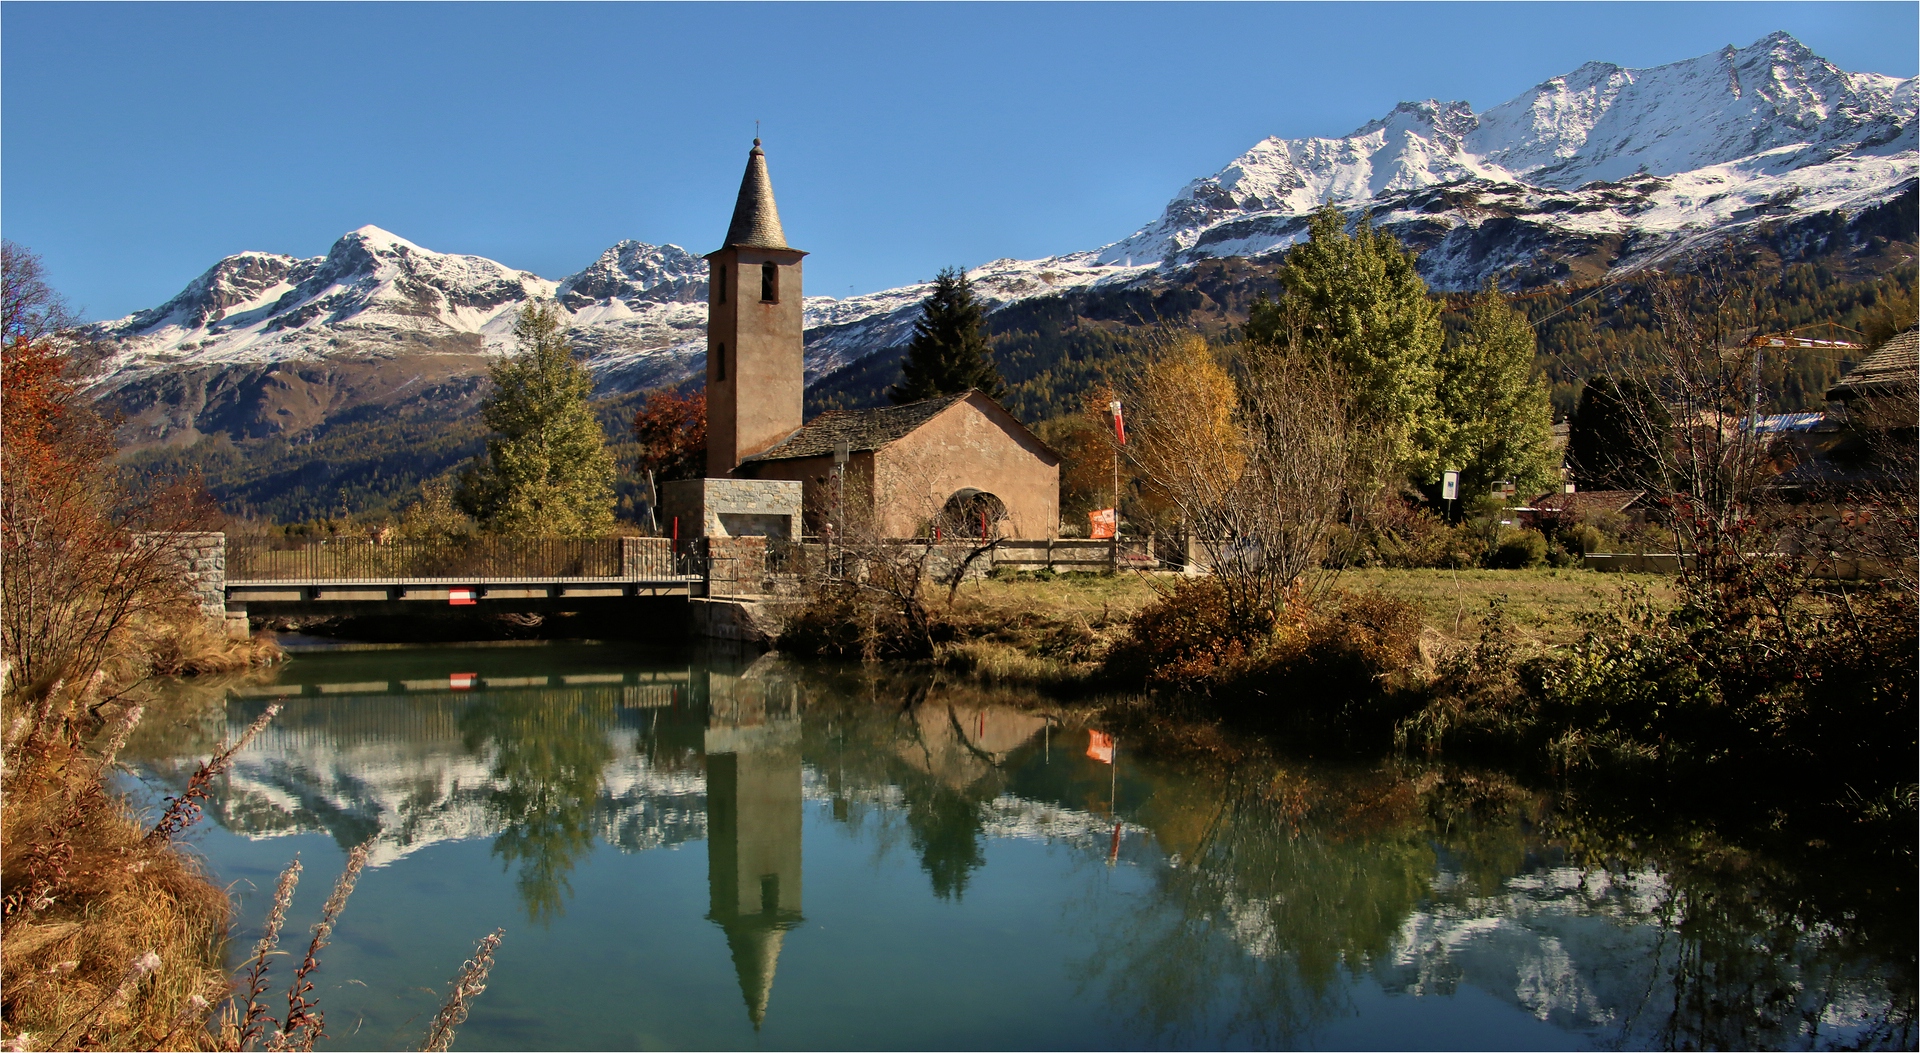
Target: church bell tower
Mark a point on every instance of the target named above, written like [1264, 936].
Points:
[755, 380]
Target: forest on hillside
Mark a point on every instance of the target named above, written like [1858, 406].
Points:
[1055, 352]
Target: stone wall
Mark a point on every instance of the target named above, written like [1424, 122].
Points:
[731, 508]
[202, 557]
[736, 566]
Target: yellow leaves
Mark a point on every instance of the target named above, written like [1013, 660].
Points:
[1185, 419]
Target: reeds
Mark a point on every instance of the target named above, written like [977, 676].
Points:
[248, 1022]
[183, 810]
[466, 987]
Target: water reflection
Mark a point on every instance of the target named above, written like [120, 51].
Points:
[754, 807]
[1272, 897]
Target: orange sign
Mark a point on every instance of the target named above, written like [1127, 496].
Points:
[1103, 524]
[1100, 746]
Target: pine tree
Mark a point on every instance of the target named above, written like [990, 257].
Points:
[1357, 298]
[949, 352]
[1495, 418]
[546, 472]
[1605, 443]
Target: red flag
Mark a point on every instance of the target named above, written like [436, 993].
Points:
[1100, 746]
[1119, 422]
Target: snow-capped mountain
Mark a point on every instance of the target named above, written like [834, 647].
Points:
[1665, 155]
[1583, 175]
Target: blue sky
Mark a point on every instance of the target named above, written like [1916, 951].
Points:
[142, 142]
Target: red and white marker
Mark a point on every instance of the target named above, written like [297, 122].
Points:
[463, 597]
[462, 681]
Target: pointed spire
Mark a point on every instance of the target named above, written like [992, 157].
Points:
[756, 221]
[756, 954]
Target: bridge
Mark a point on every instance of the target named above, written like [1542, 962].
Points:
[708, 586]
[354, 577]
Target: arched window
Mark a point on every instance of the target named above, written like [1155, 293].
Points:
[769, 283]
[720, 361]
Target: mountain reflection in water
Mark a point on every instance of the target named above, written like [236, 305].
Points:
[1259, 903]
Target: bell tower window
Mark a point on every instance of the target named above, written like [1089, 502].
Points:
[769, 283]
[720, 361]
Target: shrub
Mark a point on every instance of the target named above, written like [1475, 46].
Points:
[1186, 639]
[1517, 549]
[842, 620]
[1339, 665]
[1583, 539]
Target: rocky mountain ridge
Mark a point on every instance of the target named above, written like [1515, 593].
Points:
[1601, 171]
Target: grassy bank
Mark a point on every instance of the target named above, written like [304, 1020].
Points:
[1058, 628]
[113, 935]
[1744, 676]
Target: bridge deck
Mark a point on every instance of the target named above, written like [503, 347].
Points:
[476, 589]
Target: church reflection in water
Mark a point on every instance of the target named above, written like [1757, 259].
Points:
[753, 820]
[563, 763]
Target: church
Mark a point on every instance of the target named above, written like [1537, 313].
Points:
[957, 462]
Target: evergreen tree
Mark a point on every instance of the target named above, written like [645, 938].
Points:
[1605, 443]
[1496, 416]
[1357, 297]
[949, 352]
[546, 472]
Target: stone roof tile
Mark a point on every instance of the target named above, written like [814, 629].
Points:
[862, 430]
[1895, 362]
[756, 220]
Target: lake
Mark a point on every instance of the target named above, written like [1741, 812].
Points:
[736, 853]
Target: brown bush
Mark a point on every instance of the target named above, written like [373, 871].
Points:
[842, 620]
[1189, 639]
[1341, 665]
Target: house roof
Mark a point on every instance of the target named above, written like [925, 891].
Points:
[866, 430]
[1893, 363]
[862, 430]
[1589, 501]
[756, 220]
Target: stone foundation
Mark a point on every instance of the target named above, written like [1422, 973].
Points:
[768, 508]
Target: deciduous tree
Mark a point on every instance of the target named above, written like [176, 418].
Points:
[672, 432]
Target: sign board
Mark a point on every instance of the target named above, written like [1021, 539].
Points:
[1103, 524]
[1450, 486]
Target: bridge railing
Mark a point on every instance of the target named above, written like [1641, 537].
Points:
[354, 559]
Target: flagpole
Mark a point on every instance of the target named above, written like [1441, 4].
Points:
[1113, 803]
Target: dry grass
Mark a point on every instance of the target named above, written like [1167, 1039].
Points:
[112, 935]
[94, 898]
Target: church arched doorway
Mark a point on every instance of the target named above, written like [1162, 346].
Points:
[973, 513]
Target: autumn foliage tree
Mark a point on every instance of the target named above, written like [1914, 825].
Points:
[672, 432]
[76, 578]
